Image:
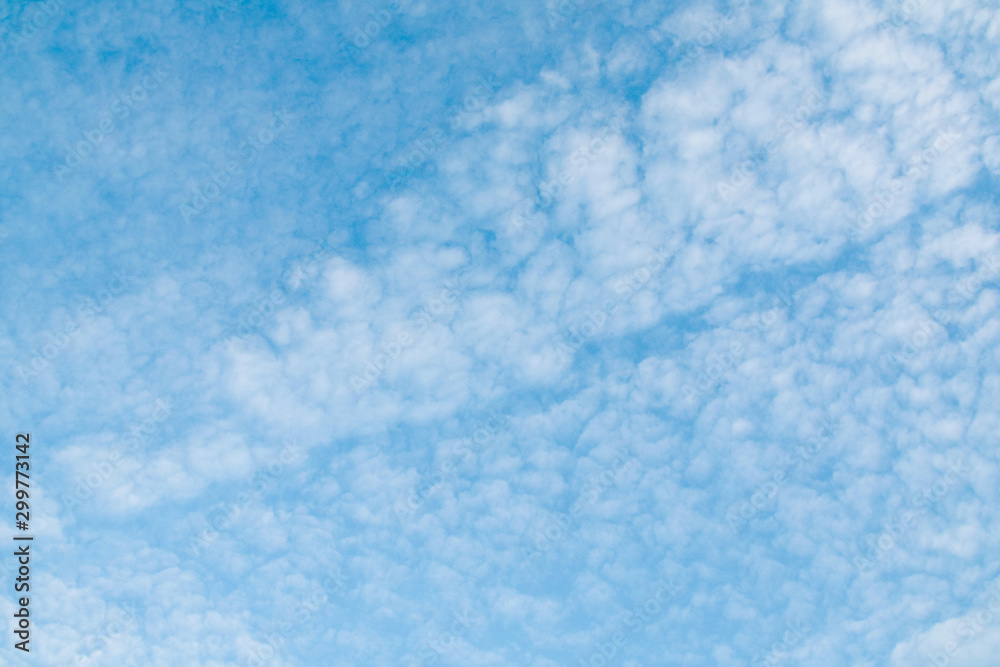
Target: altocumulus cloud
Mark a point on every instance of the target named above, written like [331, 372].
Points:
[699, 302]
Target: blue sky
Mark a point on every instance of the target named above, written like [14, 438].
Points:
[529, 333]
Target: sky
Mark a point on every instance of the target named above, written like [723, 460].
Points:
[530, 333]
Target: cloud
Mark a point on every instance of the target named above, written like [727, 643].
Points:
[702, 296]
